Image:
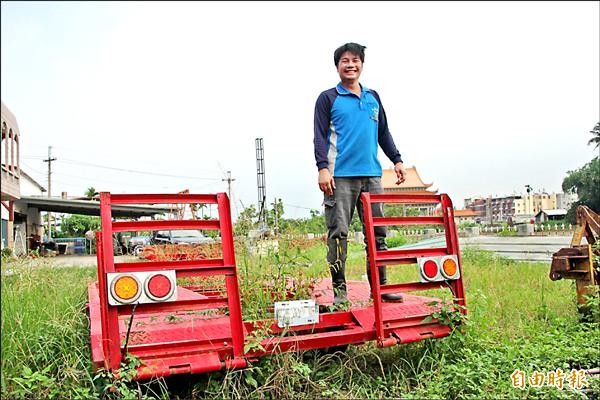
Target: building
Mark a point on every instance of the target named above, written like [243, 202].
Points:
[23, 198]
[412, 185]
[10, 173]
[477, 205]
[550, 215]
[516, 208]
[564, 201]
[502, 208]
[27, 221]
[533, 203]
[461, 216]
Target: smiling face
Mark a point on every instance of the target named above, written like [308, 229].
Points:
[349, 67]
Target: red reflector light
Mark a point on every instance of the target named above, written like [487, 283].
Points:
[159, 286]
[430, 269]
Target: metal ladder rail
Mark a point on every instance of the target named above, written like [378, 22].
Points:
[379, 258]
[453, 248]
[224, 266]
[388, 257]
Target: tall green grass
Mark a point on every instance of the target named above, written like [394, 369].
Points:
[45, 344]
[518, 318]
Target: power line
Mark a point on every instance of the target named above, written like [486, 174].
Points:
[76, 162]
[295, 206]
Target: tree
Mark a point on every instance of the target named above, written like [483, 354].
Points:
[595, 136]
[246, 221]
[78, 225]
[91, 192]
[275, 215]
[585, 181]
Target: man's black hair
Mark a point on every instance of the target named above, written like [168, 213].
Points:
[354, 48]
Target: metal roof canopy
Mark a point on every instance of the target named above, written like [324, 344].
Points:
[89, 207]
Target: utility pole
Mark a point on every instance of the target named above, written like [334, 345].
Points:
[276, 216]
[229, 179]
[49, 161]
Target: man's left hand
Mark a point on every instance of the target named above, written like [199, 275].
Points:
[400, 173]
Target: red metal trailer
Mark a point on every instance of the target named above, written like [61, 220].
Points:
[138, 307]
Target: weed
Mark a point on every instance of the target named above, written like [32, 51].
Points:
[517, 319]
[447, 314]
[121, 384]
[37, 383]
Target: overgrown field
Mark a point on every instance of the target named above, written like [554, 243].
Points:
[518, 319]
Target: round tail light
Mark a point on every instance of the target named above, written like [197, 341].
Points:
[159, 287]
[430, 269]
[126, 289]
[449, 267]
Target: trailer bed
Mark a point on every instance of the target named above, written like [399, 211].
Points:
[191, 342]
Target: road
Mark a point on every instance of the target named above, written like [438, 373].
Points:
[522, 248]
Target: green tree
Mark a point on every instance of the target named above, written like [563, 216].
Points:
[275, 215]
[585, 181]
[595, 136]
[91, 192]
[246, 221]
[78, 225]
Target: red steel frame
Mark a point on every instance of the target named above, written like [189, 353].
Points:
[225, 266]
[378, 258]
[195, 346]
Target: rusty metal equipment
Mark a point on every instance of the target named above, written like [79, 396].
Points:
[577, 262]
[146, 309]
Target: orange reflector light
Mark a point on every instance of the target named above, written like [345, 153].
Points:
[430, 269]
[126, 288]
[449, 267]
[159, 287]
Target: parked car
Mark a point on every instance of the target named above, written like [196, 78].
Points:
[136, 244]
[184, 236]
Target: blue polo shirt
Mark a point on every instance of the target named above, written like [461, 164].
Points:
[348, 129]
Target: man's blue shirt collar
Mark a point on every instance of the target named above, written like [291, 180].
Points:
[342, 90]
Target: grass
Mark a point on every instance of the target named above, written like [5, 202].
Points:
[44, 345]
[518, 318]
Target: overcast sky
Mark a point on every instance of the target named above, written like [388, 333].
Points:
[483, 98]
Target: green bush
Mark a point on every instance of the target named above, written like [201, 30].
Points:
[396, 241]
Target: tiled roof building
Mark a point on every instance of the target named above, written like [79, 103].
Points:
[412, 185]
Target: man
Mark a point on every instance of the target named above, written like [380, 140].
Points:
[349, 124]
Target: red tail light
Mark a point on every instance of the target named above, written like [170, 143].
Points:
[430, 269]
[159, 287]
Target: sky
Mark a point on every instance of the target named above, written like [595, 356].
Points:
[158, 97]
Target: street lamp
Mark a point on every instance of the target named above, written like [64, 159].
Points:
[529, 197]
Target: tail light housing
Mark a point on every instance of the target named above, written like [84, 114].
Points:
[125, 288]
[449, 267]
[141, 287]
[159, 287]
[435, 269]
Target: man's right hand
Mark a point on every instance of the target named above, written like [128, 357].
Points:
[326, 182]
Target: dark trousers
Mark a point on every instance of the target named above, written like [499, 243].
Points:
[339, 210]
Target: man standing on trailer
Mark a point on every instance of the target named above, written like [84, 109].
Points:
[349, 125]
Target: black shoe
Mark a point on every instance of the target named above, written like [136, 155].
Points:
[391, 297]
